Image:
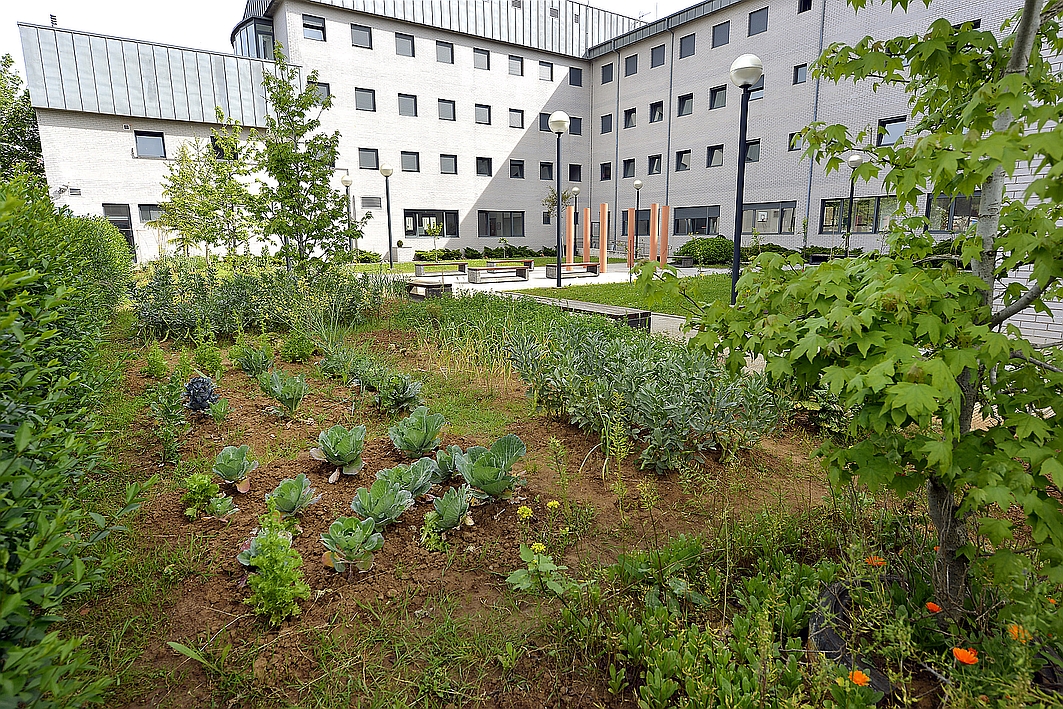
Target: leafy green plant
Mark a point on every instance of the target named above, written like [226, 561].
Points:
[488, 471]
[708, 251]
[286, 389]
[277, 582]
[452, 509]
[415, 478]
[255, 360]
[208, 357]
[200, 489]
[541, 573]
[341, 447]
[200, 395]
[219, 410]
[221, 507]
[445, 463]
[297, 347]
[351, 541]
[397, 393]
[183, 368]
[418, 433]
[155, 362]
[292, 496]
[233, 466]
[383, 502]
[169, 412]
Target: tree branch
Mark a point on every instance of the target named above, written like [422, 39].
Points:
[1021, 304]
[1048, 345]
[1051, 10]
[1016, 354]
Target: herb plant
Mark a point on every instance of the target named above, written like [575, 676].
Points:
[277, 582]
[199, 395]
[297, 347]
[488, 471]
[155, 362]
[418, 433]
[341, 447]
[200, 490]
[286, 389]
[208, 357]
[351, 541]
[168, 411]
[415, 478]
[292, 496]
[383, 502]
[233, 466]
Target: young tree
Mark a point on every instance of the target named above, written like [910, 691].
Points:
[20, 141]
[230, 164]
[919, 343]
[298, 205]
[186, 209]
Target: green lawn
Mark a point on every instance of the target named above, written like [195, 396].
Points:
[701, 288]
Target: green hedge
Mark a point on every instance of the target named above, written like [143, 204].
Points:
[708, 251]
[60, 278]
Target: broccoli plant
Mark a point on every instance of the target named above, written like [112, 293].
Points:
[200, 489]
[415, 478]
[199, 394]
[418, 433]
[288, 390]
[445, 463]
[292, 496]
[351, 541]
[233, 466]
[383, 502]
[488, 471]
[341, 447]
[397, 393]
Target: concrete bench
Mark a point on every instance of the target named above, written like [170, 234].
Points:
[632, 317]
[528, 262]
[499, 273]
[682, 261]
[572, 270]
[421, 288]
[447, 268]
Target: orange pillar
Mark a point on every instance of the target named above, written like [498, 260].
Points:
[630, 239]
[603, 232]
[665, 209]
[570, 233]
[653, 232]
[586, 233]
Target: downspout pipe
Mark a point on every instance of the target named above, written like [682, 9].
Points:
[815, 117]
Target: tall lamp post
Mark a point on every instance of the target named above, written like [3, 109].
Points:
[854, 161]
[575, 214]
[386, 171]
[745, 71]
[346, 181]
[559, 121]
[635, 227]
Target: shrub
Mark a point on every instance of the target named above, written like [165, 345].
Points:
[708, 251]
[155, 362]
[438, 255]
[473, 253]
[297, 347]
[208, 356]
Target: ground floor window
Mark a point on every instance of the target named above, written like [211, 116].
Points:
[118, 215]
[149, 212]
[642, 222]
[769, 218]
[417, 219]
[870, 215]
[696, 221]
[500, 224]
[954, 214]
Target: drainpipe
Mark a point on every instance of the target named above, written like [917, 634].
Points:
[815, 117]
[667, 158]
[618, 175]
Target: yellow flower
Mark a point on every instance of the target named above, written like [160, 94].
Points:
[524, 513]
[553, 505]
[538, 548]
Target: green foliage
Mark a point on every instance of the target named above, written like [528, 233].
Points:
[452, 508]
[341, 447]
[255, 360]
[208, 357]
[708, 251]
[155, 362]
[445, 464]
[487, 472]
[277, 582]
[297, 347]
[219, 410]
[418, 433]
[415, 478]
[20, 140]
[292, 496]
[221, 507]
[383, 502]
[397, 392]
[437, 255]
[352, 541]
[201, 489]
[233, 466]
[540, 575]
[183, 369]
[169, 412]
[288, 390]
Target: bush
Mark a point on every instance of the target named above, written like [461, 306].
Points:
[297, 347]
[473, 253]
[438, 255]
[708, 251]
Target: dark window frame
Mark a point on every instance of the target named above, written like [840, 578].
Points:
[654, 161]
[546, 170]
[409, 98]
[575, 172]
[413, 44]
[454, 158]
[313, 23]
[882, 131]
[630, 118]
[657, 56]
[680, 165]
[628, 174]
[717, 97]
[687, 48]
[800, 73]
[575, 125]
[575, 76]
[725, 30]
[416, 217]
[519, 113]
[453, 109]
[656, 111]
[486, 217]
[365, 29]
[416, 158]
[782, 206]
[520, 65]
[152, 134]
[714, 151]
[485, 55]
[607, 73]
[747, 152]
[605, 172]
[607, 123]
[449, 46]
[361, 92]
[758, 14]
[516, 169]
[756, 91]
[631, 64]
[687, 101]
[365, 152]
[485, 162]
[549, 67]
[477, 108]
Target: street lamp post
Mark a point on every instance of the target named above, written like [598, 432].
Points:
[854, 161]
[575, 215]
[386, 171]
[559, 121]
[635, 227]
[346, 181]
[745, 71]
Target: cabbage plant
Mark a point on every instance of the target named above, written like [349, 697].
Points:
[488, 471]
[199, 394]
[233, 466]
[254, 360]
[351, 541]
[415, 478]
[452, 508]
[445, 463]
[221, 508]
[383, 502]
[288, 390]
[341, 447]
[292, 496]
[418, 433]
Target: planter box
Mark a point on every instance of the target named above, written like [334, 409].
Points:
[402, 253]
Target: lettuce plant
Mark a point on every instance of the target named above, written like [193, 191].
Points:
[397, 393]
[351, 541]
[415, 478]
[383, 502]
[418, 433]
[288, 390]
[452, 508]
[278, 579]
[200, 489]
[488, 471]
[445, 463]
[341, 447]
[292, 496]
[233, 467]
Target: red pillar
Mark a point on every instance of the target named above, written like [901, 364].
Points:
[665, 209]
[653, 232]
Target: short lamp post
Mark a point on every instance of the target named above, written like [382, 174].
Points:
[346, 181]
[575, 212]
[745, 71]
[559, 122]
[854, 161]
[386, 171]
[635, 227]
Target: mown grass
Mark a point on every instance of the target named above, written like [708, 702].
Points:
[701, 288]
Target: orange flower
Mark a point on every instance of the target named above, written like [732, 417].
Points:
[875, 561]
[933, 607]
[936, 547]
[968, 656]
[1019, 633]
[1052, 601]
[859, 678]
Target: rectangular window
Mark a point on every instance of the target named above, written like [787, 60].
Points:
[411, 162]
[371, 202]
[686, 46]
[656, 111]
[631, 65]
[483, 114]
[800, 74]
[607, 73]
[657, 56]
[758, 21]
[516, 65]
[714, 156]
[803, 6]
[446, 110]
[546, 171]
[416, 222]
[365, 99]
[795, 142]
[756, 91]
[605, 171]
[834, 216]
[362, 36]
[481, 59]
[696, 221]
[891, 130]
[320, 88]
[721, 34]
[500, 224]
[642, 222]
[314, 27]
[682, 160]
[686, 104]
[404, 44]
[887, 212]
[444, 52]
[753, 150]
[952, 214]
[448, 164]
[718, 97]
[516, 169]
[516, 118]
[769, 218]
[575, 76]
[546, 217]
[150, 144]
[575, 173]
[118, 216]
[149, 212]
[653, 166]
[483, 167]
[629, 167]
[546, 71]
[544, 122]
[407, 105]
[575, 125]
[368, 159]
[607, 123]
[629, 118]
